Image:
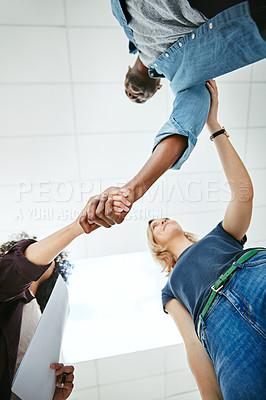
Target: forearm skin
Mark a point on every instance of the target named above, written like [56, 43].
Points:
[164, 156]
[44, 251]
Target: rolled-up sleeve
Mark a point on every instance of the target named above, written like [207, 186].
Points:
[167, 295]
[189, 115]
[17, 272]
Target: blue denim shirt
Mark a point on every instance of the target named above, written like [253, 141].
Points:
[226, 42]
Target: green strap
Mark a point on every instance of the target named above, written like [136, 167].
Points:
[224, 278]
[248, 255]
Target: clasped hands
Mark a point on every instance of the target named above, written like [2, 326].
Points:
[106, 209]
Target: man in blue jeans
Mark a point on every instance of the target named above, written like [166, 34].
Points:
[188, 43]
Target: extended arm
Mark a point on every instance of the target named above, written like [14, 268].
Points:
[44, 251]
[199, 363]
[164, 156]
[238, 213]
[173, 145]
[167, 152]
[27, 260]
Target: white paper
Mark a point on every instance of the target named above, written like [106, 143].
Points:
[34, 378]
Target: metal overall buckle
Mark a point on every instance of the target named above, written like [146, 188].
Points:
[218, 289]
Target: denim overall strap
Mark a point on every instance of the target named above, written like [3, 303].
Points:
[219, 284]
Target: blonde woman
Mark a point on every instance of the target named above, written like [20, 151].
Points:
[216, 290]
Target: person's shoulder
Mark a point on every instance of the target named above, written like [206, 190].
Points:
[220, 231]
[18, 247]
[21, 245]
[216, 231]
[166, 290]
[219, 228]
[166, 295]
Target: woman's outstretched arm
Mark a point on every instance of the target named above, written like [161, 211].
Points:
[45, 250]
[238, 213]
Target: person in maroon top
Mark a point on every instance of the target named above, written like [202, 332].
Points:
[19, 282]
[25, 269]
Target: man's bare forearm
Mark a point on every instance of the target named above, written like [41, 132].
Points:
[164, 156]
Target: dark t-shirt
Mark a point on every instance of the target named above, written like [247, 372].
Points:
[198, 267]
[211, 8]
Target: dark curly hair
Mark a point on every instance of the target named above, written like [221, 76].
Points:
[62, 267]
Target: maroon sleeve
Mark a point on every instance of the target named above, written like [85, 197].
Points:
[17, 272]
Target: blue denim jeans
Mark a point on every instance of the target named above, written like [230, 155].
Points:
[234, 332]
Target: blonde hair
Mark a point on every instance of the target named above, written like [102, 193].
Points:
[163, 256]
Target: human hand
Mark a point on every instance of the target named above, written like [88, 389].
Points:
[107, 209]
[96, 203]
[62, 393]
[83, 216]
[212, 122]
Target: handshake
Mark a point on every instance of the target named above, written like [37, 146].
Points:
[107, 209]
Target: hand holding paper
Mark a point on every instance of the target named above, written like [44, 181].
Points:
[63, 392]
[44, 349]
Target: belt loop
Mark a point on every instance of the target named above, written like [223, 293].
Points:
[238, 265]
[199, 327]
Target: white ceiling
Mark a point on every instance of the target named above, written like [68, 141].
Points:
[67, 128]
[67, 131]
